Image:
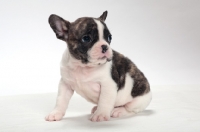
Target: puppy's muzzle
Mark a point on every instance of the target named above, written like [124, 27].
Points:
[104, 48]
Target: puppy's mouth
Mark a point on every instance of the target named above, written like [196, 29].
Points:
[104, 57]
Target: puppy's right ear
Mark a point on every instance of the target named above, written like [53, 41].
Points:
[103, 16]
[59, 26]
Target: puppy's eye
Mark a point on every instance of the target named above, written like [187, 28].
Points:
[86, 39]
[109, 38]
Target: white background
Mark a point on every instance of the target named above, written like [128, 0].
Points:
[162, 37]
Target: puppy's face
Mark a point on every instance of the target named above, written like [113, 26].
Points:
[88, 38]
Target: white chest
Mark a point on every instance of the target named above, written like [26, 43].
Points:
[85, 81]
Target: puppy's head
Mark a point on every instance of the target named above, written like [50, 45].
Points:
[88, 38]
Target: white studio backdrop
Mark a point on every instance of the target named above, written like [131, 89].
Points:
[160, 36]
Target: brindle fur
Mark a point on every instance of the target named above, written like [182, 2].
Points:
[120, 67]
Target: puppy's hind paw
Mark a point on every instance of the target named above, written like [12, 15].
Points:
[119, 112]
[55, 115]
[99, 116]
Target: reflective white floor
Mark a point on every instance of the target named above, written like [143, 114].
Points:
[173, 108]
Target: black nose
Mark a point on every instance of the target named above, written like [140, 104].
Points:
[104, 48]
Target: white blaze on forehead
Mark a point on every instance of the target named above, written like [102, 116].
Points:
[100, 28]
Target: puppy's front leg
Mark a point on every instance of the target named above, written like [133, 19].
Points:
[64, 95]
[106, 102]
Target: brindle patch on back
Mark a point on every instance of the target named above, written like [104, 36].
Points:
[122, 65]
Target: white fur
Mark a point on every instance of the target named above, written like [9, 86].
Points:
[85, 80]
[139, 103]
[123, 95]
[96, 85]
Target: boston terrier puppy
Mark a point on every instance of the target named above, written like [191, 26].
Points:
[98, 73]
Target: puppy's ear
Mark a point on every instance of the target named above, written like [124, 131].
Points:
[59, 26]
[103, 16]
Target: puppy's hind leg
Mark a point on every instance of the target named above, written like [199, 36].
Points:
[138, 104]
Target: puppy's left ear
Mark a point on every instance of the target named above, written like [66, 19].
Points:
[59, 26]
[103, 16]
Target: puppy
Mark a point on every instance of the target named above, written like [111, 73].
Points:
[95, 71]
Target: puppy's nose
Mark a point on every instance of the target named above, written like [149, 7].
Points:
[104, 48]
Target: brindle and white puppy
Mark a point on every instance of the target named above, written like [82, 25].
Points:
[99, 74]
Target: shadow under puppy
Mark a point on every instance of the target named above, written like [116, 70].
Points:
[99, 74]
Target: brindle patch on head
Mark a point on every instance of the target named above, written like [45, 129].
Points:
[79, 28]
[120, 67]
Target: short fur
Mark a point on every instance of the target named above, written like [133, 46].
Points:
[121, 66]
[99, 74]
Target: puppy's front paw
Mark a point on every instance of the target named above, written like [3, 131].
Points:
[55, 115]
[100, 116]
